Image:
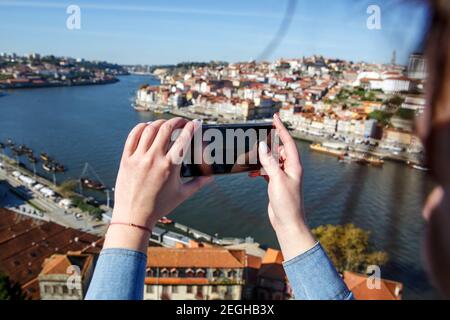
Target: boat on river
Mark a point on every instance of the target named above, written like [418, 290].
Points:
[320, 148]
[59, 167]
[45, 157]
[417, 166]
[361, 158]
[49, 167]
[10, 143]
[92, 184]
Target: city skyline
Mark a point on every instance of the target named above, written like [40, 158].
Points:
[209, 31]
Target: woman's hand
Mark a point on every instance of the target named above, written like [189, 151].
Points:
[149, 185]
[286, 210]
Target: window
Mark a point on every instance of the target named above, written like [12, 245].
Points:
[232, 274]
[65, 290]
[150, 273]
[174, 289]
[48, 289]
[164, 273]
[165, 289]
[149, 289]
[189, 273]
[200, 273]
[174, 273]
[215, 289]
[189, 289]
[216, 273]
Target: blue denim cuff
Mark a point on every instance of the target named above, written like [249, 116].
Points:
[124, 252]
[313, 277]
[304, 255]
[119, 275]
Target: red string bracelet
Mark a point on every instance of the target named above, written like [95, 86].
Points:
[132, 225]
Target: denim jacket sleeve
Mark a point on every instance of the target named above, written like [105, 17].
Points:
[312, 276]
[119, 275]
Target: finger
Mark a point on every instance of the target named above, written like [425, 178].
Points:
[133, 139]
[162, 140]
[293, 162]
[268, 162]
[190, 188]
[179, 149]
[148, 135]
[282, 153]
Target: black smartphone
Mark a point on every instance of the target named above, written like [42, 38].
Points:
[218, 149]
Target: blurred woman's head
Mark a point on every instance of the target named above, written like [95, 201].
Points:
[434, 129]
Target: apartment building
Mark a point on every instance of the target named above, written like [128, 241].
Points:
[66, 276]
[212, 273]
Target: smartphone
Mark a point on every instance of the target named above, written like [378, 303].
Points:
[219, 149]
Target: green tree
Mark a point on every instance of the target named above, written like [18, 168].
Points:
[396, 100]
[10, 290]
[406, 114]
[81, 204]
[381, 116]
[348, 247]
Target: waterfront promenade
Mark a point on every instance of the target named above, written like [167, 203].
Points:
[26, 200]
[385, 154]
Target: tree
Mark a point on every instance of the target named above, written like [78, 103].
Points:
[381, 116]
[10, 290]
[396, 100]
[406, 114]
[348, 247]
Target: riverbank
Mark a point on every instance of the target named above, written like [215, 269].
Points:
[34, 85]
[375, 151]
[400, 157]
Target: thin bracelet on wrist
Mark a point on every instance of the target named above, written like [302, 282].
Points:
[132, 225]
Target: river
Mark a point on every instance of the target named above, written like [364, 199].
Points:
[90, 124]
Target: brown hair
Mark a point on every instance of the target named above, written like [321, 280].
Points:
[438, 93]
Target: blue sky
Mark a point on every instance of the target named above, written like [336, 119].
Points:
[171, 31]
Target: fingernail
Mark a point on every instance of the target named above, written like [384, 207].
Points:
[197, 123]
[150, 122]
[263, 148]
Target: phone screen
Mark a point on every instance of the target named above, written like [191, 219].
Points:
[226, 149]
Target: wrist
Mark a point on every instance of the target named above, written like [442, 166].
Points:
[137, 217]
[294, 239]
[120, 236]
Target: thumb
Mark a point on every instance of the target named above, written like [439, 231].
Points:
[268, 162]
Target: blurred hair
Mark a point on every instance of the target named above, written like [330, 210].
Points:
[437, 52]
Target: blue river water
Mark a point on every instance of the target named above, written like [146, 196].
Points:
[89, 124]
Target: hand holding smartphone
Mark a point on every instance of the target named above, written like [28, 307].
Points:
[227, 149]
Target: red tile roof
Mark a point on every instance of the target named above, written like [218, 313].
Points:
[25, 243]
[214, 257]
[357, 283]
[272, 265]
